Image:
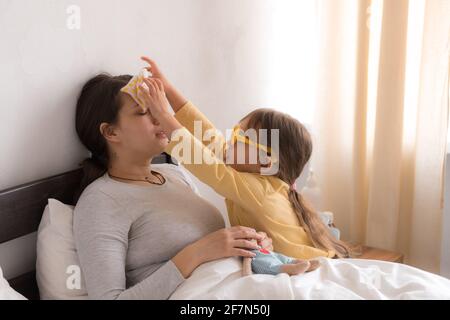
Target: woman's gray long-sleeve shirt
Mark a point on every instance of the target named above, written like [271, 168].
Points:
[126, 235]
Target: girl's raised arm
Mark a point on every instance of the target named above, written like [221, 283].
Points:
[175, 98]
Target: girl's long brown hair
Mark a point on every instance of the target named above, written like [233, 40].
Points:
[295, 149]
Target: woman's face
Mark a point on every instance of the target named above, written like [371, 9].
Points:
[138, 132]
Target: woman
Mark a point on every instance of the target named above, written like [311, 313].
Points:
[139, 232]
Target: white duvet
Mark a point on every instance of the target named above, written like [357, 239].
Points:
[6, 292]
[335, 279]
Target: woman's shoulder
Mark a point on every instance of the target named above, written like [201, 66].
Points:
[98, 196]
[94, 189]
[98, 214]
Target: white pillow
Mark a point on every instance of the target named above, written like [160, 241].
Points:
[58, 271]
[6, 292]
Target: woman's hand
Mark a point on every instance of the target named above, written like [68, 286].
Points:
[229, 242]
[175, 98]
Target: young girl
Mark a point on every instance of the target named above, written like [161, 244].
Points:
[267, 203]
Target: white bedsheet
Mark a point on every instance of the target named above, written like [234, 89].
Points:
[6, 292]
[335, 279]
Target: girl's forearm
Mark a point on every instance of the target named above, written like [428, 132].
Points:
[176, 99]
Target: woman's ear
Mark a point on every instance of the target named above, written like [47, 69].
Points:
[108, 131]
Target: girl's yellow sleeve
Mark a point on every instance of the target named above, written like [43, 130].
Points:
[199, 125]
[240, 187]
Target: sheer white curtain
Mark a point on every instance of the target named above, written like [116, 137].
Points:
[381, 121]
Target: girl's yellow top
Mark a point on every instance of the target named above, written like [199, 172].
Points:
[252, 200]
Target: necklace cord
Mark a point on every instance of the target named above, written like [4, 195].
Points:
[158, 175]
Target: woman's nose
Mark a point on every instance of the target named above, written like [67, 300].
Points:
[154, 121]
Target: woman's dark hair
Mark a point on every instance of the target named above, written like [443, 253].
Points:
[99, 102]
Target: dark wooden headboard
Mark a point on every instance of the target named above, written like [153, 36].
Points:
[21, 210]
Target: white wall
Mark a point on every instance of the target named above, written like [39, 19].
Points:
[225, 55]
[213, 52]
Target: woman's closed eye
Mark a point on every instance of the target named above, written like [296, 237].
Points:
[143, 113]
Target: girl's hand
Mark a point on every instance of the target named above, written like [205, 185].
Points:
[152, 93]
[176, 99]
[229, 242]
[157, 74]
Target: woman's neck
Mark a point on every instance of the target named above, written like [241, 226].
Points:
[129, 168]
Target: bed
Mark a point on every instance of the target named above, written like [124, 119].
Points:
[21, 209]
